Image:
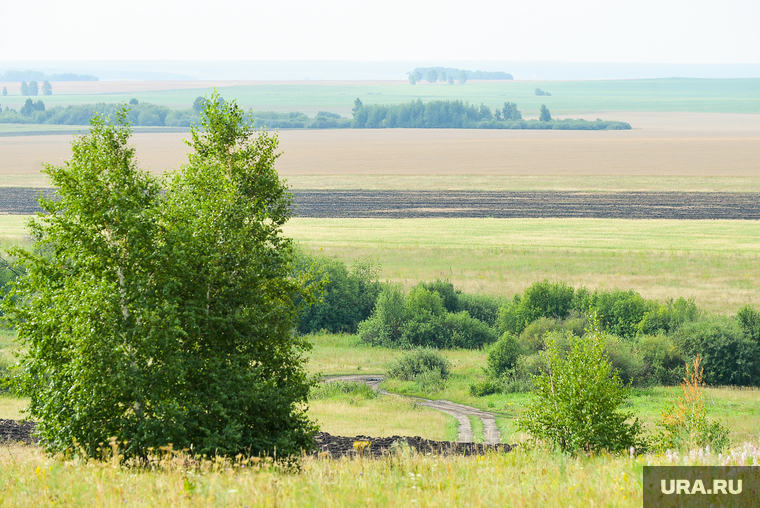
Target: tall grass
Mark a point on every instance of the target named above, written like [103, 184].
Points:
[521, 478]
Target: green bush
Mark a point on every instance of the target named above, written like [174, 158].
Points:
[348, 298]
[730, 358]
[626, 360]
[576, 402]
[419, 361]
[487, 387]
[444, 289]
[341, 389]
[502, 356]
[667, 317]
[541, 299]
[749, 319]
[466, 332]
[663, 361]
[384, 327]
[481, 307]
[420, 319]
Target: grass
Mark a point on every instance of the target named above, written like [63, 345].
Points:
[676, 94]
[521, 478]
[712, 261]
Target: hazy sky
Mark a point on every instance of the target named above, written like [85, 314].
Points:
[656, 31]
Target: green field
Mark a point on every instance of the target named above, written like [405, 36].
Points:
[715, 262]
[568, 97]
[712, 261]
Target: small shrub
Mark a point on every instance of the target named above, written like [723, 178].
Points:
[684, 424]
[340, 389]
[444, 289]
[730, 357]
[576, 402]
[467, 332]
[413, 363]
[626, 360]
[430, 381]
[481, 307]
[663, 361]
[483, 388]
[502, 356]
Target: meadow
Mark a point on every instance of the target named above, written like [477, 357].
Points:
[525, 477]
[568, 97]
[712, 261]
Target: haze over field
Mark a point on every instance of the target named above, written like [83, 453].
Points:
[293, 39]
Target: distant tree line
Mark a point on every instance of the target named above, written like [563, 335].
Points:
[462, 115]
[32, 88]
[448, 74]
[41, 76]
[415, 114]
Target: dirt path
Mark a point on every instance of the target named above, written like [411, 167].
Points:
[491, 434]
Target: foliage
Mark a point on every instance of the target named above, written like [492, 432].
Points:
[502, 355]
[165, 318]
[418, 362]
[663, 361]
[749, 319]
[443, 114]
[47, 88]
[462, 77]
[487, 387]
[730, 358]
[684, 425]
[510, 112]
[541, 299]
[5, 91]
[348, 297]
[431, 75]
[540, 92]
[421, 319]
[576, 402]
[544, 115]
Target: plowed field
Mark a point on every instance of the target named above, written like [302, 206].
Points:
[432, 204]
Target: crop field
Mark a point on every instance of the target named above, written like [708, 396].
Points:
[664, 152]
[568, 97]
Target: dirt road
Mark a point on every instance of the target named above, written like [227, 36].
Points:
[491, 434]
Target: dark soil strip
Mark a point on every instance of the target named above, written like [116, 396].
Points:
[327, 445]
[12, 431]
[22, 200]
[418, 204]
[615, 205]
[339, 446]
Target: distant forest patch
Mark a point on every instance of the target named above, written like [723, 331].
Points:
[443, 114]
[449, 74]
[41, 76]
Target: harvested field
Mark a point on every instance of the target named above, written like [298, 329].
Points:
[674, 145]
[482, 204]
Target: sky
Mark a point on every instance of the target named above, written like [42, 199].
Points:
[647, 31]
